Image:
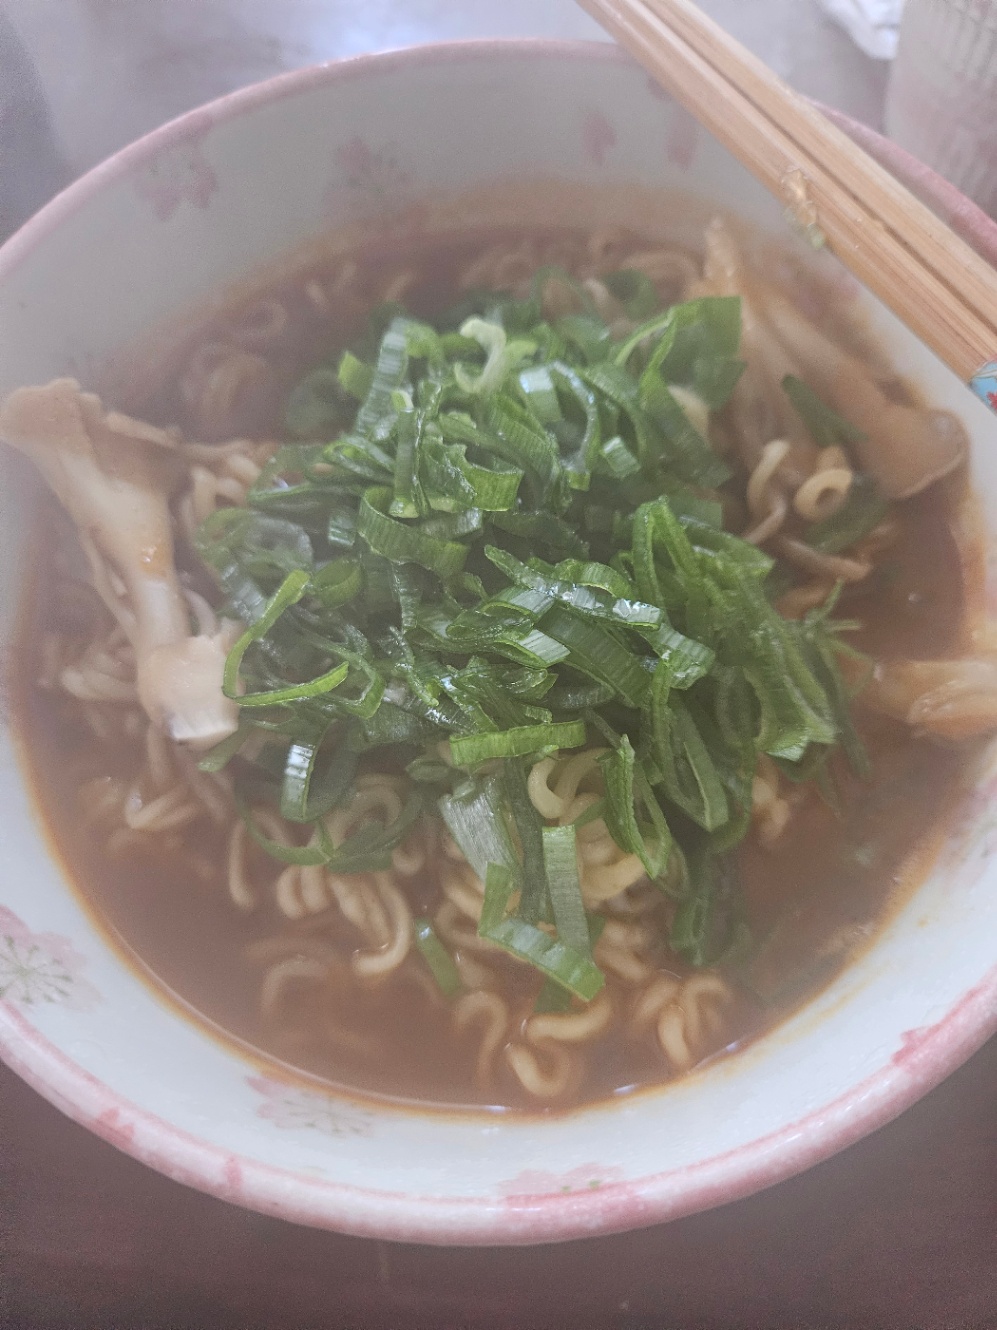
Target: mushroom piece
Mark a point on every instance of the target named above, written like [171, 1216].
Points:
[906, 447]
[952, 699]
[114, 475]
[763, 410]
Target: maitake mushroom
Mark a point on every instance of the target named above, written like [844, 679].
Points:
[114, 475]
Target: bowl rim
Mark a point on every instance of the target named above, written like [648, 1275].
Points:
[926, 1056]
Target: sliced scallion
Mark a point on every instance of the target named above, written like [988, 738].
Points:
[515, 547]
[436, 956]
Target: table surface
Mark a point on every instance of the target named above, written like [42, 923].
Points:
[899, 1231]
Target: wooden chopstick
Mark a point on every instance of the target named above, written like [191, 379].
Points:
[933, 281]
[827, 145]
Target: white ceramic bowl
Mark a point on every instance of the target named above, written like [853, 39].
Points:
[191, 209]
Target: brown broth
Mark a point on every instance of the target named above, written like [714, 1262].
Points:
[809, 901]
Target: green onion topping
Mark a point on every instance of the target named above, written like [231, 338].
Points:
[487, 546]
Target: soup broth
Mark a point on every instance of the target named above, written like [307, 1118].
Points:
[194, 902]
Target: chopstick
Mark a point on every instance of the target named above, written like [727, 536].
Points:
[931, 279]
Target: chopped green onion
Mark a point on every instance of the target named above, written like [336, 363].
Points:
[549, 955]
[862, 510]
[469, 750]
[534, 902]
[405, 544]
[272, 697]
[500, 885]
[314, 406]
[502, 356]
[693, 923]
[219, 756]
[514, 547]
[618, 460]
[627, 790]
[826, 426]
[571, 969]
[561, 865]
[538, 389]
[303, 855]
[436, 956]
[387, 376]
[306, 797]
[688, 774]
[596, 652]
[287, 594]
[337, 582]
[476, 819]
[354, 376]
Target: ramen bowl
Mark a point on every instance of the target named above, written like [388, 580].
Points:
[397, 144]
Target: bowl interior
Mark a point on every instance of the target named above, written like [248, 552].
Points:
[433, 139]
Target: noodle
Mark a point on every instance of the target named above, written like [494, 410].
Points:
[240, 889]
[619, 951]
[794, 604]
[222, 385]
[398, 919]
[261, 326]
[293, 969]
[670, 270]
[686, 1016]
[605, 869]
[573, 1027]
[766, 501]
[543, 798]
[825, 491]
[770, 811]
[544, 1073]
[223, 479]
[606, 247]
[460, 930]
[464, 889]
[572, 772]
[601, 880]
[831, 566]
[488, 1012]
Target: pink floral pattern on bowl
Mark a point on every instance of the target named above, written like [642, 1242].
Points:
[374, 179]
[537, 1182]
[180, 174]
[36, 968]
[295, 1109]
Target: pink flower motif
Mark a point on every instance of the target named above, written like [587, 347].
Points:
[536, 1182]
[682, 139]
[374, 179]
[293, 1108]
[40, 967]
[179, 174]
[114, 1127]
[598, 136]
